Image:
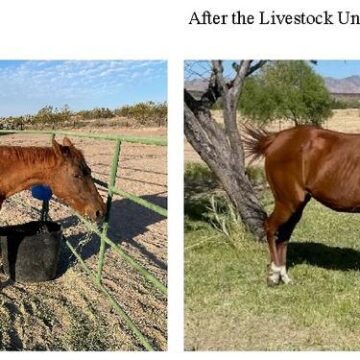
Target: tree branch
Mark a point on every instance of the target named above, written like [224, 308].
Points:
[218, 71]
[190, 101]
[240, 77]
[252, 69]
[201, 110]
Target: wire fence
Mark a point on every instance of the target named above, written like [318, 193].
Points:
[96, 276]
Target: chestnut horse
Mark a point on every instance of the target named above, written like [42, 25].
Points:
[302, 163]
[62, 167]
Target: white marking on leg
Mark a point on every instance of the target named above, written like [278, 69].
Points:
[274, 268]
[274, 273]
[283, 275]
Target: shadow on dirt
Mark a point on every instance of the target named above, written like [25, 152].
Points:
[97, 173]
[127, 221]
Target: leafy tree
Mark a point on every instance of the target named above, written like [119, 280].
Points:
[288, 90]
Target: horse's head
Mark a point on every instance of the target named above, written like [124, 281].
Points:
[72, 181]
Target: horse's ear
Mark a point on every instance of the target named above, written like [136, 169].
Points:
[57, 148]
[67, 142]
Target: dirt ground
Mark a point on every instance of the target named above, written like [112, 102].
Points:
[69, 313]
[348, 119]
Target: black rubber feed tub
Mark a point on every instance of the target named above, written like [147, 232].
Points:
[30, 251]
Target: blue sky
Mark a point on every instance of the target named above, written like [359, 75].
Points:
[333, 68]
[338, 68]
[27, 86]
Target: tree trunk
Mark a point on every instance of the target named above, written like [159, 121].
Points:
[218, 155]
[221, 149]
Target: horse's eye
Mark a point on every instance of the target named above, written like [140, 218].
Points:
[77, 175]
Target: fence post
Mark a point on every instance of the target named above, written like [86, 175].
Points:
[111, 184]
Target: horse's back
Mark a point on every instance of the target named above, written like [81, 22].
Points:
[323, 163]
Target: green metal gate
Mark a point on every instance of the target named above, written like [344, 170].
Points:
[112, 190]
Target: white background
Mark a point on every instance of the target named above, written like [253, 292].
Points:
[157, 29]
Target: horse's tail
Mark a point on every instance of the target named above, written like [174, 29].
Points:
[256, 141]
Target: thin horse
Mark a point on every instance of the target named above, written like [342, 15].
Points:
[62, 167]
[302, 163]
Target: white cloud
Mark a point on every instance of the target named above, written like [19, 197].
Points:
[32, 77]
[55, 82]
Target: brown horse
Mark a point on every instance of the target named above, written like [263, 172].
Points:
[302, 163]
[62, 167]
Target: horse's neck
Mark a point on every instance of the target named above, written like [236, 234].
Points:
[21, 168]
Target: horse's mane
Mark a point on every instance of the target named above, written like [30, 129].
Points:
[35, 154]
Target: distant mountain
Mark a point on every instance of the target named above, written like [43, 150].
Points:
[349, 85]
[197, 85]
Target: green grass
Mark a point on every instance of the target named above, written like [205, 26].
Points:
[229, 307]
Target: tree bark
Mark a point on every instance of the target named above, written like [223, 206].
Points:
[221, 148]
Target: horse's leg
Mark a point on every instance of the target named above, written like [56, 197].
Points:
[2, 199]
[284, 233]
[279, 216]
[282, 251]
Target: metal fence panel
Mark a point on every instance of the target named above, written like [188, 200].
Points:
[112, 190]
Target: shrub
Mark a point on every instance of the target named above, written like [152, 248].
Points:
[145, 113]
[49, 115]
[345, 104]
[96, 113]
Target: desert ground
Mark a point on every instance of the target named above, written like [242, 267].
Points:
[69, 313]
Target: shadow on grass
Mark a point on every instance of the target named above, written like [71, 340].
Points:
[324, 256]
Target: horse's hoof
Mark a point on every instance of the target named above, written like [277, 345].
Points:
[271, 283]
[273, 280]
[285, 279]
